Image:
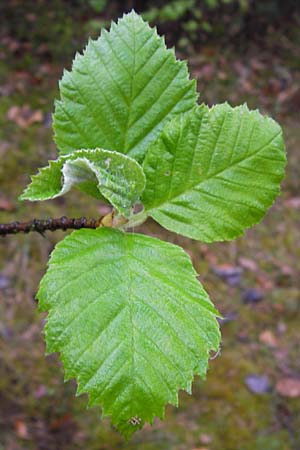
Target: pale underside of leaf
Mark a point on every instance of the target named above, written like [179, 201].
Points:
[121, 91]
[117, 177]
[130, 319]
[215, 172]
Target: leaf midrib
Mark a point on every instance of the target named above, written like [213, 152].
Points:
[132, 75]
[130, 306]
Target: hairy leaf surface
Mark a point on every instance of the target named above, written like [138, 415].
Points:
[130, 319]
[214, 172]
[121, 91]
[117, 177]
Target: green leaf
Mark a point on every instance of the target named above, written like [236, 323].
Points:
[117, 177]
[214, 172]
[130, 319]
[121, 91]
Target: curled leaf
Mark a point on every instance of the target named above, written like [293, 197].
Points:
[117, 177]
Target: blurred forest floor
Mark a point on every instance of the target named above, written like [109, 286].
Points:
[251, 399]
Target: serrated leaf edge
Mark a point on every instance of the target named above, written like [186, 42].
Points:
[243, 108]
[92, 402]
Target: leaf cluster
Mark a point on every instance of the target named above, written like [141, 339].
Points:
[126, 312]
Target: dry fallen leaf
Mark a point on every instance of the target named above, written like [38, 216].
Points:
[41, 391]
[6, 205]
[290, 98]
[23, 116]
[248, 264]
[265, 283]
[288, 387]
[61, 421]
[21, 429]
[293, 203]
[205, 438]
[267, 337]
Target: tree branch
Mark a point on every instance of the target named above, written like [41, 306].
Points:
[62, 223]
